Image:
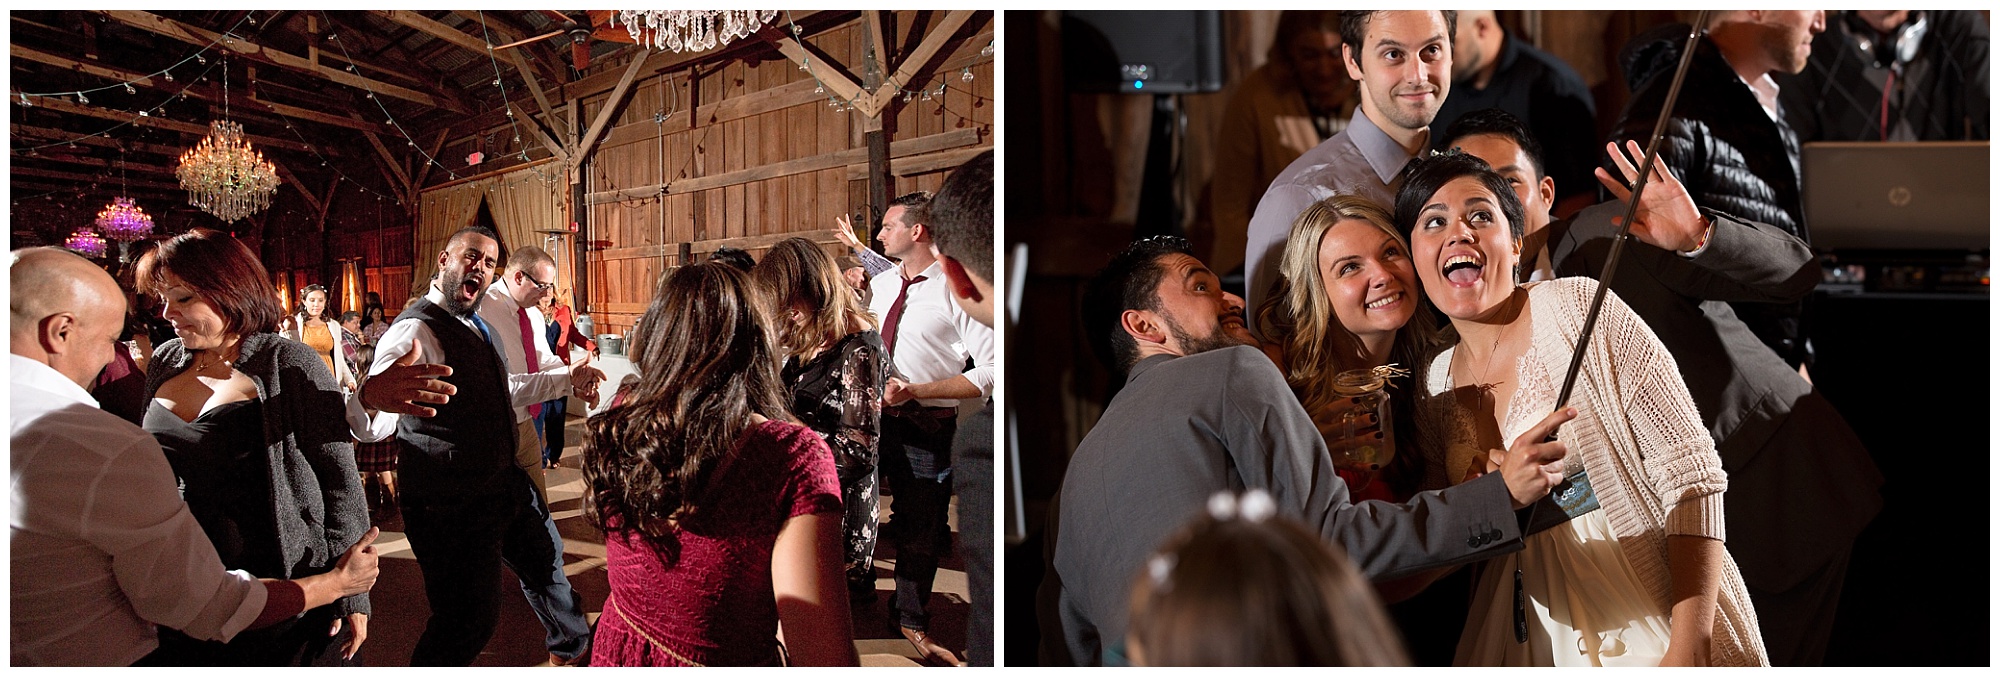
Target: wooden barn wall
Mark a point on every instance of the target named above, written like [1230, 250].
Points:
[764, 157]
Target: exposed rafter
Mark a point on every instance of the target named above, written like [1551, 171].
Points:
[62, 106]
[253, 51]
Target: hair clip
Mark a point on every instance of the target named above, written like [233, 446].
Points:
[1254, 506]
[1159, 568]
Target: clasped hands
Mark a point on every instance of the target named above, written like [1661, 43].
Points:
[408, 385]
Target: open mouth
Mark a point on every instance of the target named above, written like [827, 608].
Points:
[471, 287]
[1463, 270]
[1386, 301]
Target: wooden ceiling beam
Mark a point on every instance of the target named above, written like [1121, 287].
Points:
[293, 181]
[59, 135]
[86, 178]
[921, 56]
[61, 106]
[609, 111]
[250, 50]
[655, 62]
[88, 161]
[424, 171]
[510, 31]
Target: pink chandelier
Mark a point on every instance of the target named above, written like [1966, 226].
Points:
[124, 221]
[85, 241]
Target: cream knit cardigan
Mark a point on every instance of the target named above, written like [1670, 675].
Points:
[1652, 463]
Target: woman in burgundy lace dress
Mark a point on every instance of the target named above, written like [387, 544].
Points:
[721, 516]
[835, 369]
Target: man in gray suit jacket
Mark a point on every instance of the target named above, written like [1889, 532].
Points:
[1204, 411]
[1801, 486]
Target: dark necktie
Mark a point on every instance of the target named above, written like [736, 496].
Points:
[486, 332]
[528, 347]
[896, 315]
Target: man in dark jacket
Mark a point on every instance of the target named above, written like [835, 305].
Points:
[1894, 75]
[1727, 139]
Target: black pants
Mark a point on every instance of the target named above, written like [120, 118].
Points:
[460, 544]
[916, 463]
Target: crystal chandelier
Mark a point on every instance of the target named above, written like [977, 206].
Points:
[124, 221]
[692, 30]
[86, 242]
[224, 177]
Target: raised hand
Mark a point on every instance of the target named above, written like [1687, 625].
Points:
[406, 386]
[846, 233]
[1666, 217]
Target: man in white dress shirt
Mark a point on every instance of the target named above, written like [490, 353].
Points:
[101, 547]
[467, 507]
[929, 338]
[534, 373]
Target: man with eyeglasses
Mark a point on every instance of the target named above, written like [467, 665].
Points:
[466, 509]
[534, 373]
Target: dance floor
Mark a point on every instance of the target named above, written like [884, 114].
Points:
[400, 610]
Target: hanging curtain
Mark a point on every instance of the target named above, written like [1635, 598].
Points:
[522, 201]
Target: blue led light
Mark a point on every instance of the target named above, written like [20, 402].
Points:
[1138, 84]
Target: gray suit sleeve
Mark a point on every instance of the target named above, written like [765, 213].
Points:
[1273, 443]
[1744, 260]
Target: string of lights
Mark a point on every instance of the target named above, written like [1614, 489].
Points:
[167, 72]
[500, 82]
[22, 98]
[909, 95]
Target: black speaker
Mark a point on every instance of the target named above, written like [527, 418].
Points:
[1143, 52]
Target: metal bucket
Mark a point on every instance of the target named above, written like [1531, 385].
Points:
[611, 344]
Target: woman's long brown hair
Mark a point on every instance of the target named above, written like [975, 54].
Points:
[796, 271]
[707, 366]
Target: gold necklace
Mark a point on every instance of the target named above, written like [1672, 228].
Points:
[1486, 370]
[199, 367]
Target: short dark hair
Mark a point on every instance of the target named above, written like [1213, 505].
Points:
[1354, 28]
[481, 231]
[734, 258]
[1130, 282]
[1426, 175]
[1500, 123]
[962, 215]
[349, 315]
[916, 206]
[222, 270]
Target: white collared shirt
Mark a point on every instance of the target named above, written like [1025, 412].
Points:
[934, 336]
[102, 547]
[525, 388]
[551, 381]
[1766, 90]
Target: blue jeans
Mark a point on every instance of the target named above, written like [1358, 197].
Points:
[460, 544]
[549, 424]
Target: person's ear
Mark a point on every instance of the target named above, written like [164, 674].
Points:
[1348, 59]
[1548, 190]
[1144, 326]
[961, 283]
[56, 332]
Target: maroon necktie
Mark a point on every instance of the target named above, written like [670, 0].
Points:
[896, 316]
[528, 347]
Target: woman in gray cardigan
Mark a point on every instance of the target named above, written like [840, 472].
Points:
[252, 425]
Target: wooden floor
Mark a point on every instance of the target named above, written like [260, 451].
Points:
[400, 610]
